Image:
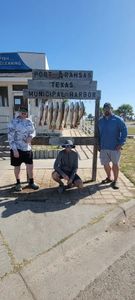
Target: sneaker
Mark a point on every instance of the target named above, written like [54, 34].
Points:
[61, 189]
[114, 185]
[33, 186]
[18, 187]
[107, 180]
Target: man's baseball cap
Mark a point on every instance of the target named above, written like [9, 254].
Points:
[107, 105]
[23, 109]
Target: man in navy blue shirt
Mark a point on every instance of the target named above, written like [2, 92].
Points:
[112, 136]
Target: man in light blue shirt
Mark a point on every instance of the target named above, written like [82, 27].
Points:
[112, 136]
[20, 134]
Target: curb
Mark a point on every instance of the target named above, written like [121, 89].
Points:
[126, 209]
[97, 226]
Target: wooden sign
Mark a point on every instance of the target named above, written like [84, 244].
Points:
[61, 94]
[63, 84]
[62, 74]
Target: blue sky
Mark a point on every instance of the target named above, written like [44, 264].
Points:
[96, 35]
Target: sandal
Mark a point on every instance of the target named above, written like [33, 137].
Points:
[107, 180]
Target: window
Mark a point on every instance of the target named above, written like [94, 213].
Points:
[3, 96]
[19, 87]
[20, 101]
[17, 101]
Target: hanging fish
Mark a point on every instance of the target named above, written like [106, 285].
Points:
[50, 114]
[55, 114]
[76, 115]
[41, 111]
[81, 111]
[71, 114]
[66, 110]
[45, 113]
[60, 115]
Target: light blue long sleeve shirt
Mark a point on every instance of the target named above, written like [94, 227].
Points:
[112, 132]
[18, 132]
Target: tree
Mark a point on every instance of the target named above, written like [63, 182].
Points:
[90, 116]
[100, 111]
[125, 111]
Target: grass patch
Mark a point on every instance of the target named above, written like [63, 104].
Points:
[131, 130]
[127, 163]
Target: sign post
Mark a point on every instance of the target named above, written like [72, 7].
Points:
[66, 84]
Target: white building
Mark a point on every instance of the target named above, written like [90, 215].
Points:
[15, 70]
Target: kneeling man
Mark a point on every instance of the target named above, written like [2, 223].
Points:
[65, 167]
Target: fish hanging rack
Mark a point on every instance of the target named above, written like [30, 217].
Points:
[57, 115]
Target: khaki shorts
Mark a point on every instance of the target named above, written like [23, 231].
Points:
[107, 156]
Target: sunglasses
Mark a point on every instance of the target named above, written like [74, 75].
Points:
[24, 113]
[68, 146]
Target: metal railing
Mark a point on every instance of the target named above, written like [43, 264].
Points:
[87, 127]
[4, 120]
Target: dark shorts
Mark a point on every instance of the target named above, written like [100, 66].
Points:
[69, 175]
[24, 157]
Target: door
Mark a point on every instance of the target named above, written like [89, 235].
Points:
[19, 101]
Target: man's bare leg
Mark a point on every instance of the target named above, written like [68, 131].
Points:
[56, 177]
[29, 168]
[78, 183]
[17, 170]
[115, 169]
[107, 169]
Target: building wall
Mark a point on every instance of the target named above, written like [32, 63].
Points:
[7, 112]
[8, 79]
[34, 60]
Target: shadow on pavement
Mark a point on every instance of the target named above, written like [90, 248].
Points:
[44, 200]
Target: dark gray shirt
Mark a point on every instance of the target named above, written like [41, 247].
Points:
[66, 162]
